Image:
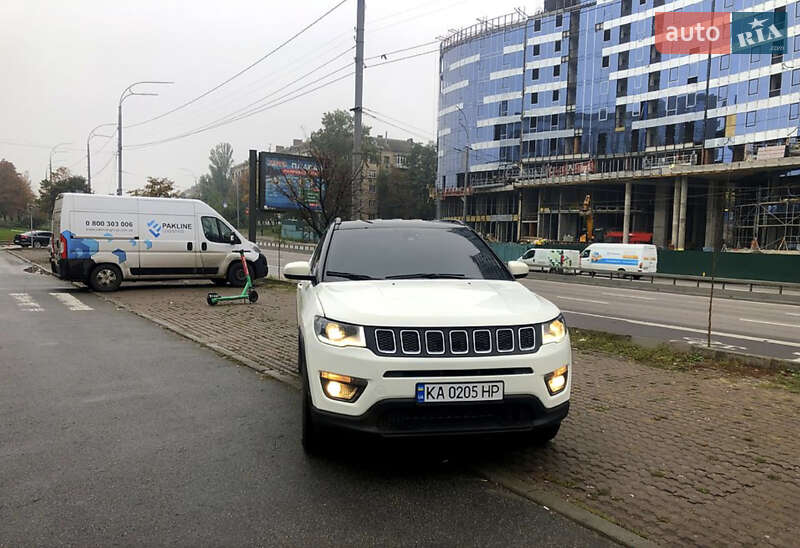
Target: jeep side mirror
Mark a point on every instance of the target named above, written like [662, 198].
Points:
[234, 239]
[518, 269]
[298, 270]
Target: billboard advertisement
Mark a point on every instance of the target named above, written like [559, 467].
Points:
[285, 176]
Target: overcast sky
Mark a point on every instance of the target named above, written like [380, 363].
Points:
[64, 65]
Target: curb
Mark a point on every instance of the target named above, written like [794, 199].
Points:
[667, 288]
[572, 511]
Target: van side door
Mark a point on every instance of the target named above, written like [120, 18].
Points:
[167, 242]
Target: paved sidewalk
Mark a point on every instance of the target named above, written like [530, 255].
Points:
[682, 458]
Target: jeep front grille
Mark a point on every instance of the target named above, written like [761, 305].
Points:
[453, 341]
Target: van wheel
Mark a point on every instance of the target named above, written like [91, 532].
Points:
[541, 437]
[236, 276]
[105, 277]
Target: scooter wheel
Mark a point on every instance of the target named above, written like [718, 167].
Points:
[253, 296]
[210, 299]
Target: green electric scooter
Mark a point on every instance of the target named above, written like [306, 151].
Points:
[248, 293]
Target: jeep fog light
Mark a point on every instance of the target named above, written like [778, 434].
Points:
[556, 381]
[341, 387]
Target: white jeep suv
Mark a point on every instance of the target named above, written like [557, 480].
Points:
[411, 328]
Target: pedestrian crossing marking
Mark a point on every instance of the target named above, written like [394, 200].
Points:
[71, 302]
[26, 302]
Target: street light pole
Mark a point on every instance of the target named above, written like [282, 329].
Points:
[125, 94]
[89, 154]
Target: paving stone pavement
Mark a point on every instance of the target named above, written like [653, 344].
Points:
[683, 458]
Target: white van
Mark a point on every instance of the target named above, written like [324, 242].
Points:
[551, 259]
[103, 240]
[619, 258]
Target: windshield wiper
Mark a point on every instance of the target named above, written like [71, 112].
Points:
[348, 275]
[426, 275]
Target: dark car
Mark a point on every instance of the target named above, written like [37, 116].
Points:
[37, 238]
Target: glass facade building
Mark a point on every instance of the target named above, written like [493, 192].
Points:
[577, 102]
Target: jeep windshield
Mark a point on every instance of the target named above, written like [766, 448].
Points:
[410, 253]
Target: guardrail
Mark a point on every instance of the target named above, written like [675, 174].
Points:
[722, 283]
[280, 244]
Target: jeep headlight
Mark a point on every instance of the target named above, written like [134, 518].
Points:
[554, 331]
[339, 333]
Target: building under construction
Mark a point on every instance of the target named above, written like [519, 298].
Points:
[570, 125]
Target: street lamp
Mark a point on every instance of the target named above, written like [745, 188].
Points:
[89, 153]
[125, 94]
[53, 151]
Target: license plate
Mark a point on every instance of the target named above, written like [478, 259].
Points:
[459, 391]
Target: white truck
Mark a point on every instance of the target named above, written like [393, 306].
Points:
[549, 260]
[635, 258]
[103, 240]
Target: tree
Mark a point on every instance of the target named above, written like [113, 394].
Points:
[405, 193]
[325, 193]
[215, 187]
[157, 187]
[15, 192]
[61, 181]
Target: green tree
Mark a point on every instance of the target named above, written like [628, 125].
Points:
[215, 187]
[15, 193]
[157, 187]
[405, 193]
[61, 181]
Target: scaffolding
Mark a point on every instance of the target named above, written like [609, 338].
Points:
[767, 217]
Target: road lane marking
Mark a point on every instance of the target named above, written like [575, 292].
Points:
[798, 357]
[71, 302]
[689, 329]
[26, 302]
[792, 314]
[698, 341]
[580, 300]
[770, 323]
[630, 296]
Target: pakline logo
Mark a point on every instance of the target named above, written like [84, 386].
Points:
[707, 32]
[154, 228]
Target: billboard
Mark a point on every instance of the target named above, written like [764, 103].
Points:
[285, 176]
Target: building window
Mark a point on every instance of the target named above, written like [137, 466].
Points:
[691, 100]
[386, 161]
[372, 204]
[601, 143]
[606, 35]
[794, 111]
[750, 119]
[534, 123]
[503, 108]
[401, 160]
[605, 61]
[556, 71]
[535, 74]
[754, 53]
[372, 187]
[603, 115]
[554, 121]
[636, 109]
[722, 96]
[670, 134]
[797, 41]
[752, 86]
[537, 25]
[672, 105]
[724, 62]
[795, 77]
[728, 3]
[673, 74]
[534, 98]
[559, 20]
[371, 174]
[557, 46]
[775, 82]
[555, 95]
[536, 49]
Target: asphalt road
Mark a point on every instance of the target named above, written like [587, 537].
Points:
[115, 431]
[765, 329]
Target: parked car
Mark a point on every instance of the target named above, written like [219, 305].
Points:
[434, 337]
[36, 238]
[103, 240]
[637, 258]
[551, 260]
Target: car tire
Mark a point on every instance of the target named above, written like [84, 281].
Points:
[35, 244]
[236, 276]
[313, 435]
[105, 277]
[544, 435]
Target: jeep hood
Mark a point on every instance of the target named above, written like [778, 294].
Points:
[433, 303]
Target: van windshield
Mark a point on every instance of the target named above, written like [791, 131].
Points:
[398, 253]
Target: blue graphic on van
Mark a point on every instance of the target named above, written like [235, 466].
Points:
[133, 243]
[148, 244]
[108, 236]
[121, 255]
[80, 248]
[154, 228]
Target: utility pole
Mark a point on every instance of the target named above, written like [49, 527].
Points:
[89, 154]
[355, 186]
[466, 180]
[50, 164]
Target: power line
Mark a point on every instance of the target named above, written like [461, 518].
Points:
[421, 130]
[384, 55]
[402, 58]
[274, 50]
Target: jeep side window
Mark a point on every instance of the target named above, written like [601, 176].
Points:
[211, 229]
